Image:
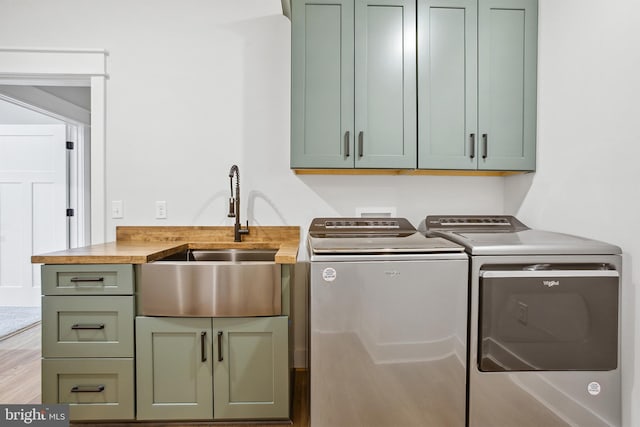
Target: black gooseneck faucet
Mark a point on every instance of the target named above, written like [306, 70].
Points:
[234, 205]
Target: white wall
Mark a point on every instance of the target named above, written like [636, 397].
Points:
[588, 179]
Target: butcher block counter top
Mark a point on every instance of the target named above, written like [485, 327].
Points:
[142, 244]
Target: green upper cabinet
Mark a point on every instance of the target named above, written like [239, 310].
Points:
[507, 62]
[447, 84]
[477, 84]
[353, 84]
[322, 84]
[385, 84]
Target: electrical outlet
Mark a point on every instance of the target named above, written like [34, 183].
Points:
[161, 209]
[116, 209]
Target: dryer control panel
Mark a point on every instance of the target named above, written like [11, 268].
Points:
[486, 223]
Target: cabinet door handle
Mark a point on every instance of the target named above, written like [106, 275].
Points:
[87, 388]
[203, 346]
[220, 358]
[485, 146]
[472, 139]
[86, 279]
[96, 326]
[361, 144]
[346, 144]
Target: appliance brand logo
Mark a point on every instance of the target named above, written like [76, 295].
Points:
[551, 283]
[392, 273]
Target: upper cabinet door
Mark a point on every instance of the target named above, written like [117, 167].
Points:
[507, 50]
[385, 84]
[322, 84]
[447, 84]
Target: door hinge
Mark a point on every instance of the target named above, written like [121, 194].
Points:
[69, 145]
[70, 212]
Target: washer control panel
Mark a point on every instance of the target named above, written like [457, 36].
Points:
[361, 227]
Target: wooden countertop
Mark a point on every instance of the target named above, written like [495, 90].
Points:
[139, 245]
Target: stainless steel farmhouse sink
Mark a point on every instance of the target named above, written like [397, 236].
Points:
[211, 283]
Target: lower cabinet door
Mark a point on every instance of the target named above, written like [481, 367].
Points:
[251, 368]
[173, 366]
[95, 389]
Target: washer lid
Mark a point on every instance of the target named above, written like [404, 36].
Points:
[527, 242]
[414, 243]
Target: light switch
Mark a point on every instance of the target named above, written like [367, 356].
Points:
[116, 209]
[161, 209]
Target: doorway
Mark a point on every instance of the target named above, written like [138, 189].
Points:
[33, 189]
[43, 191]
[67, 67]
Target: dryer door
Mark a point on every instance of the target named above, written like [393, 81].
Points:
[551, 320]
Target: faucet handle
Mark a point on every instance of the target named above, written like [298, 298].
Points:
[244, 230]
[232, 208]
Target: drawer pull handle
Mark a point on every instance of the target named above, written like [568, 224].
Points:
[220, 358]
[203, 346]
[86, 279]
[87, 388]
[96, 326]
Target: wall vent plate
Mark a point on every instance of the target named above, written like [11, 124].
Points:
[376, 212]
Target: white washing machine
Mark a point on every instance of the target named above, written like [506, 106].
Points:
[544, 335]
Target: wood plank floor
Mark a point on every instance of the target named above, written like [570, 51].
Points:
[20, 381]
[20, 367]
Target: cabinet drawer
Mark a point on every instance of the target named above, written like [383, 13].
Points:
[88, 279]
[95, 389]
[87, 326]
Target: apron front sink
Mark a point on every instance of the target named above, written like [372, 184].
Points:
[211, 283]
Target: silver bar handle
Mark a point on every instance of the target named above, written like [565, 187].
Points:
[96, 326]
[472, 139]
[220, 358]
[87, 388]
[347, 137]
[485, 146]
[361, 144]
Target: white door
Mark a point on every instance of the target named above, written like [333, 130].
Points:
[33, 202]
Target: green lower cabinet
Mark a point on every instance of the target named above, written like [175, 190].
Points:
[87, 326]
[203, 368]
[251, 368]
[95, 389]
[173, 367]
